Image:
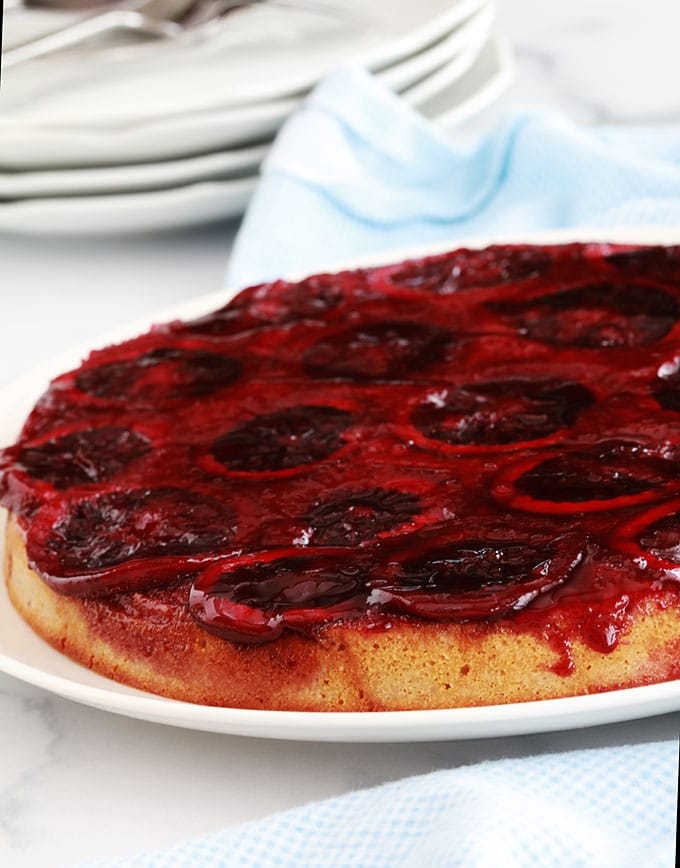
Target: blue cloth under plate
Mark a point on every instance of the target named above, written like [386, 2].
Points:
[602, 808]
[357, 171]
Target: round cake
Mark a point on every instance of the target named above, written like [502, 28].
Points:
[448, 482]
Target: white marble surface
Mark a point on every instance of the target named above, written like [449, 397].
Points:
[76, 783]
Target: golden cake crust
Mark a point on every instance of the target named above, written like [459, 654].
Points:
[151, 642]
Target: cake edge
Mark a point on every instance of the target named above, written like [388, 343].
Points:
[354, 666]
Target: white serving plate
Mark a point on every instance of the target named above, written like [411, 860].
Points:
[25, 656]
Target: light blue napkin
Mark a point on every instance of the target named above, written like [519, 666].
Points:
[611, 808]
[355, 172]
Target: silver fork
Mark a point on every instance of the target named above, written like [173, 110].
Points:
[157, 19]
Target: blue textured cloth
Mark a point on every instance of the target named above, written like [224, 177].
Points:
[612, 808]
[355, 172]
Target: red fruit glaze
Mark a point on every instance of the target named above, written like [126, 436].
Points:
[478, 435]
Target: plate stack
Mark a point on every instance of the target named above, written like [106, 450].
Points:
[125, 134]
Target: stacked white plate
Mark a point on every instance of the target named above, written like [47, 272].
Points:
[160, 133]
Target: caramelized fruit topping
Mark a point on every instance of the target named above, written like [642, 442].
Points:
[597, 315]
[257, 598]
[425, 574]
[163, 374]
[286, 438]
[612, 474]
[358, 515]
[479, 577]
[662, 538]
[377, 351]
[553, 493]
[115, 527]
[87, 456]
[463, 269]
[502, 411]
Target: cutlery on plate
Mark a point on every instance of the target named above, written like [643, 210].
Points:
[159, 19]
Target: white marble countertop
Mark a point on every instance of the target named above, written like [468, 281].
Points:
[76, 783]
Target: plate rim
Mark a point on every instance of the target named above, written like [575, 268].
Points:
[129, 212]
[524, 718]
[497, 51]
[231, 164]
